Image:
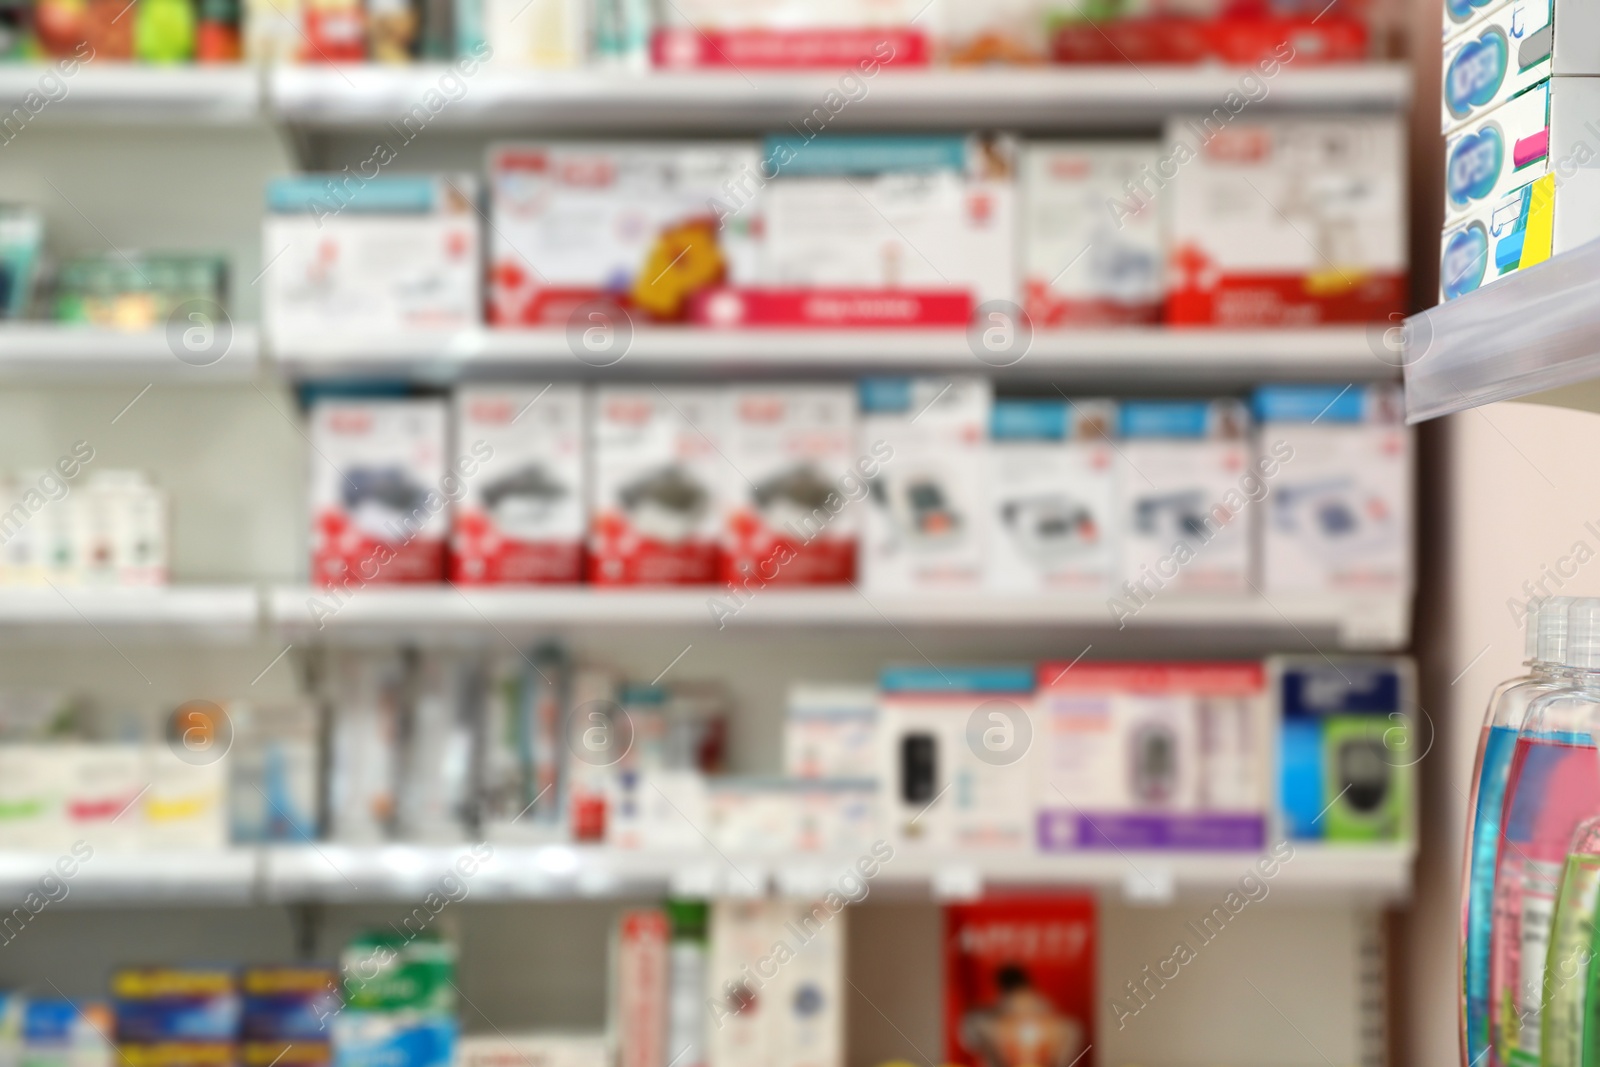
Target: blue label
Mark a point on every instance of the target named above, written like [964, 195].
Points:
[1474, 165]
[330, 194]
[1462, 10]
[795, 156]
[1164, 418]
[1028, 420]
[1300, 776]
[885, 394]
[1465, 259]
[958, 680]
[1476, 72]
[1309, 403]
[1352, 688]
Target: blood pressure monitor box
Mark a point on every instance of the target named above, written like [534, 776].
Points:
[522, 515]
[1053, 485]
[956, 758]
[795, 501]
[658, 486]
[926, 526]
[1338, 517]
[378, 507]
[1513, 48]
[1187, 483]
[1151, 755]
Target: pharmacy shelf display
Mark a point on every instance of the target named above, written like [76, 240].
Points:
[207, 614]
[46, 351]
[1366, 623]
[125, 92]
[1529, 335]
[337, 873]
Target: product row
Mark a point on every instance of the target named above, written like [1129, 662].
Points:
[853, 38]
[1519, 138]
[1228, 221]
[900, 484]
[443, 748]
[1528, 992]
[752, 983]
[71, 526]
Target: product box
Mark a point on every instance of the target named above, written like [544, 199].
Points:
[186, 804]
[548, 35]
[633, 223]
[286, 1016]
[384, 255]
[1338, 517]
[522, 516]
[378, 512]
[101, 783]
[657, 809]
[793, 505]
[396, 973]
[393, 1039]
[771, 1005]
[364, 765]
[1286, 222]
[926, 526]
[999, 32]
[1559, 207]
[1460, 14]
[640, 992]
[1093, 252]
[1020, 981]
[32, 812]
[1186, 496]
[1513, 48]
[865, 214]
[790, 34]
[1348, 746]
[787, 816]
[274, 770]
[21, 238]
[521, 775]
[1152, 756]
[1505, 149]
[830, 731]
[1192, 34]
[659, 479]
[536, 1049]
[1053, 496]
[61, 1033]
[186, 1015]
[965, 727]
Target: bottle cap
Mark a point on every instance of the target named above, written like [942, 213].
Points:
[1583, 633]
[1550, 643]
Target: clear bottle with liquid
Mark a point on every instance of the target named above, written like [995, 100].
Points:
[1568, 963]
[1553, 787]
[1508, 704]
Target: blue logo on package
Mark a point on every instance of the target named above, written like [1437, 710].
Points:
[1476, 72]
[1462, 10]
[1474, 165]
[1466, 258]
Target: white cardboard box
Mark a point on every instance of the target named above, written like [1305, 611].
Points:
[831, 731]
[523, 514]
[1338, 518]
[1091, 254]
[772, 1006]
[926, 526]
[659, 479]
[1053, 485]
[1511, 48]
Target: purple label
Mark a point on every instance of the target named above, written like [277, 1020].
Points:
[1064, 830]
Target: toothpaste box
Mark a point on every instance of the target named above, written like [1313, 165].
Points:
[794, 503]
[886, 213]
[1338, 518]
[1511, 49]
[285, 1015]
[1151, 756]
[1093, 251]
[378, 508]
[1187, 482]
[1558, 207]
[831, 731]
[1053, 500]
[520, 454]
[382, 255]
[955, 758]
[1286, 222]
[1505, 149]
[646, 225]
[926, 527]
[658, 485]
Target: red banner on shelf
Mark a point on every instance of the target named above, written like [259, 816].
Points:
[832, 308]
[694, 49]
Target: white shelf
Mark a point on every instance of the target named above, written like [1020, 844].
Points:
[1197, 356]
[42, 351]
[208, 614]
[378, 613]
[1531, 332]
[342, 873]
[129, 92]
[609, 101]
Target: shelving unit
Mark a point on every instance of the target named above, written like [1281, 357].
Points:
[204, 614]
[345, 874]
[53, 352]
[106, 92]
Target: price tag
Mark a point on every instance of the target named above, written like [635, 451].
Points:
[1149, 885]
[960, 882]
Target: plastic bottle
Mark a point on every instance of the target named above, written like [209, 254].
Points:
[1554, 785]
[1567, 964]
[1508, 704]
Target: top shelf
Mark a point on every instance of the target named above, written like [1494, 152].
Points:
[365, 96]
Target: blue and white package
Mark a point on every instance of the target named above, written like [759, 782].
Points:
[1188, 485]
[393, 1039]
[1489, 157]
[1338, 509]
[1513, 48]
